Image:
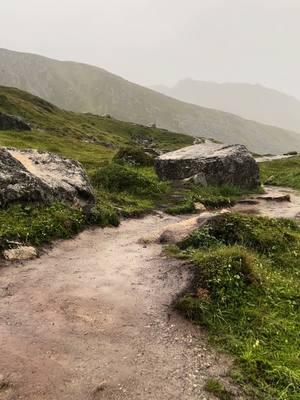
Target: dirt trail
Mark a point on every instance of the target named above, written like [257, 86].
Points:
[91, 320]
[273, 158]
[275, 209]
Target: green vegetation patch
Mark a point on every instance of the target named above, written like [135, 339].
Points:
[37, 225]
[132, 190]
[135, 156]
[246, 291]
[185, 207]
[119, 178]
[215, 387]
[285, 172]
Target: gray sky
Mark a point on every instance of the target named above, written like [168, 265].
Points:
[162, 41]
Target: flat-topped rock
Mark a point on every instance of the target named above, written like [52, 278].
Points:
[210, 164]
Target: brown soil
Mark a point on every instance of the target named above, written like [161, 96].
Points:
[91, 319]
[278, 208]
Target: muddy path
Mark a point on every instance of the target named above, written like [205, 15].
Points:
[91, 319]
[274, 157]
[272, 204]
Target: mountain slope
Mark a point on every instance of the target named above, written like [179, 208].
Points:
[88, 138]
[81, 87]
[253, 102]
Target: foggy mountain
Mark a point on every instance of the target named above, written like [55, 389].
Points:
[254, 102]
[80, 87]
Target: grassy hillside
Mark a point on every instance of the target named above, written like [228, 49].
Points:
[120, 189]
[87, 138]
[253, 102]
[285, 172]
[84, 88]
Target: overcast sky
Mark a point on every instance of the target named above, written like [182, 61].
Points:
[163, 41]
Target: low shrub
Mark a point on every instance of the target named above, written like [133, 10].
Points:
[134, 156]
[121, 178]
[103, 216]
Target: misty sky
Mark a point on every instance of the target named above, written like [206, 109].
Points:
[163, 41]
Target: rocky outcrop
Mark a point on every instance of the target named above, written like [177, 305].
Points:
[11, 122]
[210, 164]
[33, 176]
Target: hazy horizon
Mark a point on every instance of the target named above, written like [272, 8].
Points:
[162, 42]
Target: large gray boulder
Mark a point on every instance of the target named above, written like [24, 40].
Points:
[33, 176]
[210, 164]
[12, 122]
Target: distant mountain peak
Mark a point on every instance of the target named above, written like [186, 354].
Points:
[251, 101]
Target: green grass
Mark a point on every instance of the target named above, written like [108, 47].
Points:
[120, 190]
[285, 172]
[94, 141]
[135, 156]
[133, 190]
[37, 225]
[217, 388]
[185, 207]
[85, 137]
[246, 292]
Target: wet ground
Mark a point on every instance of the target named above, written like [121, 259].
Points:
[92, 318]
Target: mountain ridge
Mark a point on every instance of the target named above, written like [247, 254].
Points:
[83, 88]
[249, 101]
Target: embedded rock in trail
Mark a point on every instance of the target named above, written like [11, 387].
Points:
[33, 176]
[176, 232]
[20, 253]
[210, 164]
[8, 122]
